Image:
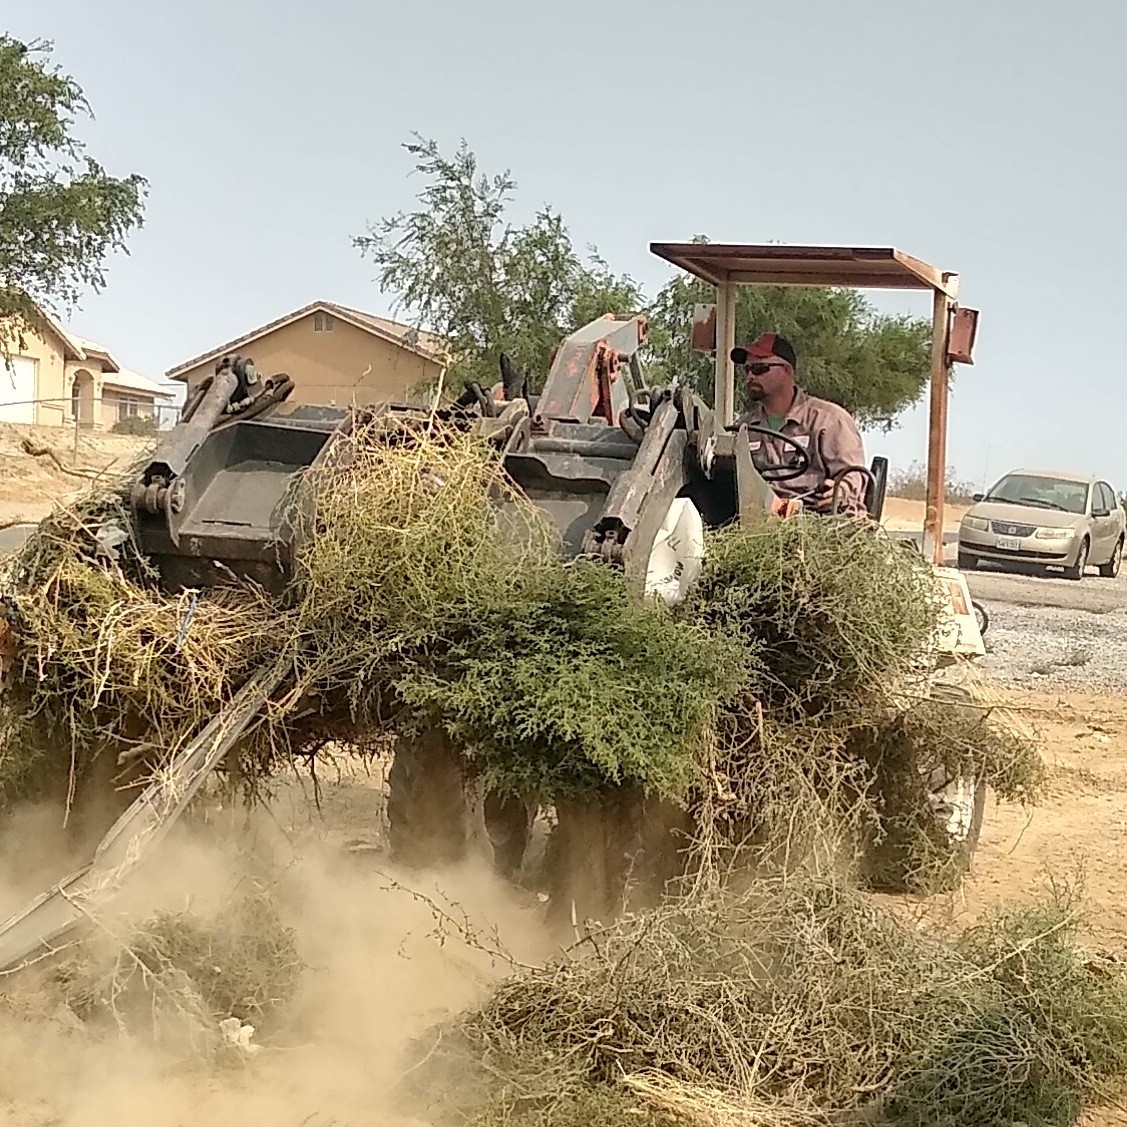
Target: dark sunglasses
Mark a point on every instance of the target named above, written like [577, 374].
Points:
[761, 369]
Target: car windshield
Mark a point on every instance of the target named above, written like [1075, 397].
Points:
[1041, 493]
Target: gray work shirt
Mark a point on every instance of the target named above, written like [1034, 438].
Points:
[829, 435]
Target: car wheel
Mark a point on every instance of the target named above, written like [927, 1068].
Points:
[967, 562]
[1110, 569]
[1077, 570]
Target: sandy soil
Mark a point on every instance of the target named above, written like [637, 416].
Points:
[1079, 831]
[901, 515]
[30, 486]
[1076, 837]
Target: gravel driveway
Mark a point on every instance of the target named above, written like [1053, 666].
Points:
[1054, 632]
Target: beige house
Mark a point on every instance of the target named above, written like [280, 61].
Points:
[334, 355]
[50, 377]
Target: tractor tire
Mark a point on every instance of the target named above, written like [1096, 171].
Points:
[615, 852]
[508, 825]
[428, 808]
[982, 617]
[931, 831]
[965, 840]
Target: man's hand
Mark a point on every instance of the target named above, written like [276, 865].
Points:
[823, 500]
[785, 507]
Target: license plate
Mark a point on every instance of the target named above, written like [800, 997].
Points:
[1009, 543]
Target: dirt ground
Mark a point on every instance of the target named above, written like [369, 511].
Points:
[377, 971]
[30, 485]
[1076, 836]
[1074, 839]
[1079, 830]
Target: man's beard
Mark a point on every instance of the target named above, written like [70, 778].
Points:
[756, 394]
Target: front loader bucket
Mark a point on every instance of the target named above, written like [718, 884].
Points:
[606, 494]
[233, 513]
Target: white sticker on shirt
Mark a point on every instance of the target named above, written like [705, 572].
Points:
[755, 445]
[801, 439]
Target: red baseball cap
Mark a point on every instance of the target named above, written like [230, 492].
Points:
[764, 346]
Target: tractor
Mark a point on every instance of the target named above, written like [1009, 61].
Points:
[626, 473]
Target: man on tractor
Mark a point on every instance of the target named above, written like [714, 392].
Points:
[826, 431]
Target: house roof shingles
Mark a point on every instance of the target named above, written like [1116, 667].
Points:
[125, 380]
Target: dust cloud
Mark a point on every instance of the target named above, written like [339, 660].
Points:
[382, 967]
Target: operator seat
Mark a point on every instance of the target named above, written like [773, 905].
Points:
[876, 488]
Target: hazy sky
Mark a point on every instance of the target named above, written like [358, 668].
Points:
[986, 137]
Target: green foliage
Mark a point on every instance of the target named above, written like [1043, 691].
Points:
[178, 975]
[141, 426]
[486, 286]
[911, 484]
[874, 365]
[60, 212]
[243, 962]
[580, 685]
[836, 608]
[465, 272]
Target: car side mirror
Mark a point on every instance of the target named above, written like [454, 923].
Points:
[976, 497]
[1101, 512]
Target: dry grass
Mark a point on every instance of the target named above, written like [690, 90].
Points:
[176, 979]
[408, 541]
[407, 547]
[104, 662]
[795, 1002]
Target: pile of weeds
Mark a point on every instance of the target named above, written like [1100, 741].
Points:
[796, 1001]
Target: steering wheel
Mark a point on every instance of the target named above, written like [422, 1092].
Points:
[840, 476]
[780, 471]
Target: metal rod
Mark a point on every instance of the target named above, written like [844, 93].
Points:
[937, 430]
[625, 451]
